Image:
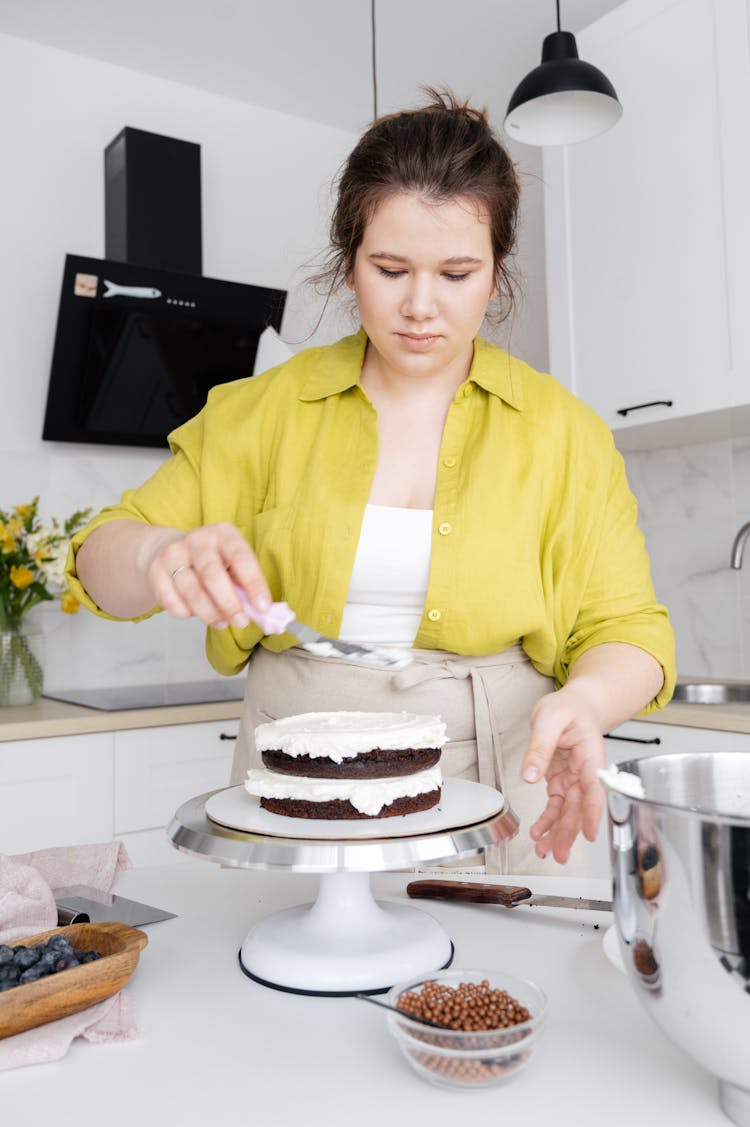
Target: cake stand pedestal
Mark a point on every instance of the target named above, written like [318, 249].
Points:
[346, 942]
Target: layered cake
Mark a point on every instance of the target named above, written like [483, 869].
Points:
[349, 764]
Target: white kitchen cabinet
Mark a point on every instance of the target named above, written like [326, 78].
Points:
[647, 226]
[75, 790]
[56, 792]
[156, 770]
[637, 738]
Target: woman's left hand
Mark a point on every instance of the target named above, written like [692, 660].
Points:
[565, 748]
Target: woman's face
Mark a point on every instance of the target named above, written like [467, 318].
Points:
[423, 276]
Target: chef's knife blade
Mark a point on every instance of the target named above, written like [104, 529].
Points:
[279, 619]
[509, 896]
[103, 907]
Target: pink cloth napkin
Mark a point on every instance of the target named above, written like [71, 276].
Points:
[110, 1020]
[95, 865]
[27, 906]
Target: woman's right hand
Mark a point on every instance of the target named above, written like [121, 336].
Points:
[192, 574]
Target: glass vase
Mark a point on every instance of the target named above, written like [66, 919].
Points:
[21, 673]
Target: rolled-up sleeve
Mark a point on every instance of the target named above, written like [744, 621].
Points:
[171, 497]
[617, 601]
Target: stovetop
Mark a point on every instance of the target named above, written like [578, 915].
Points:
[118, 697]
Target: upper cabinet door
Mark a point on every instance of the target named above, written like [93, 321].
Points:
[646, 230]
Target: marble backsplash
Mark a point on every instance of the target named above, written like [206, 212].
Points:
[692, 501]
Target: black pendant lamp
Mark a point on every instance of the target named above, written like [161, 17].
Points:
[564, 99]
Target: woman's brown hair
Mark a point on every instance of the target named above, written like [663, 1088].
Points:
[441, 151]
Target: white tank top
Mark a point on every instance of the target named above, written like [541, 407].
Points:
[387, 592]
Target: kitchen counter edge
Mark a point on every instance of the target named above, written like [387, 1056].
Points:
[52, 718]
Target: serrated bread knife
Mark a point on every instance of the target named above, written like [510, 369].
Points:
[509, 896]
[280, 619]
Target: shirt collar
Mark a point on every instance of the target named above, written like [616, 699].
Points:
[336, 368]
[496, 371]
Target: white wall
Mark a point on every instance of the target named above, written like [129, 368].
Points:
[265, 183]
[525, 334]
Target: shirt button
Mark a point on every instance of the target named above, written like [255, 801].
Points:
[449, 462]
[433, 615]
[445, 528]
[468, 390]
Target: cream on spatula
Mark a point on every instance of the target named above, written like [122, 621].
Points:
[280, 619]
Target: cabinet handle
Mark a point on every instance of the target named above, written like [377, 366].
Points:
[226, 736]
[640, 406]
[633, 739]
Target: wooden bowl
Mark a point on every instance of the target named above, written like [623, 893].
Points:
[68, 991]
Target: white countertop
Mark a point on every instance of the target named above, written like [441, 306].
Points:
[217, 1048]
[52, 718]
[716, 717]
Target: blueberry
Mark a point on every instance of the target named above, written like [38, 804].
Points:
[26, 957]
[59, 942]
[6, 954]
[65, 962]
[33, 974]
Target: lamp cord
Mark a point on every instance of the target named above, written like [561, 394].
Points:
[557, 4]
[374, 64]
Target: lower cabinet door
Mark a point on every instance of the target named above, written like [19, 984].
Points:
[158, 769]
[56, 791]
[637, 738]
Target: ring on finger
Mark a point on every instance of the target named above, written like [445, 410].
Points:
[177, 570]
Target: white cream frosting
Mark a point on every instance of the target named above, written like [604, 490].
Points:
[623, 781]
[343, 735]
[368, 796]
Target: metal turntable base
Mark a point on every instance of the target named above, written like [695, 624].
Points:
[346, 942]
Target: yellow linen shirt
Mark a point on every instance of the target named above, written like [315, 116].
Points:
[534, 534]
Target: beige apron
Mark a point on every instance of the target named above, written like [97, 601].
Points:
[485, 702]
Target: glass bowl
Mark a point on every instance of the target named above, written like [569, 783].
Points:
[469, 1059]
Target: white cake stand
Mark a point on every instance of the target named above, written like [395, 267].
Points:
[346, 942]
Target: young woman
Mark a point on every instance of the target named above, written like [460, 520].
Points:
[414, 486]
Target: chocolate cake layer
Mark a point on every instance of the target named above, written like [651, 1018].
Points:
[376, 764]
[339, 809]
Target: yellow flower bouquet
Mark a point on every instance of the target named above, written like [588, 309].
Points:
[32, 561]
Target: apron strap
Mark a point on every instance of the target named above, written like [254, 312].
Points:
[436, 667]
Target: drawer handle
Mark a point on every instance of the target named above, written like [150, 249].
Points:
[640, 406]
[226, 736]
[633, 740]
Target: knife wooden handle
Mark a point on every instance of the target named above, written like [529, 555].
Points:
[468, 892]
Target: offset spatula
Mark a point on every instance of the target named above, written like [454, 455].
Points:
[509, 896]
[280, 619]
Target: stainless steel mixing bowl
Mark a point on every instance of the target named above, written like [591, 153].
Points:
[681, 866]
